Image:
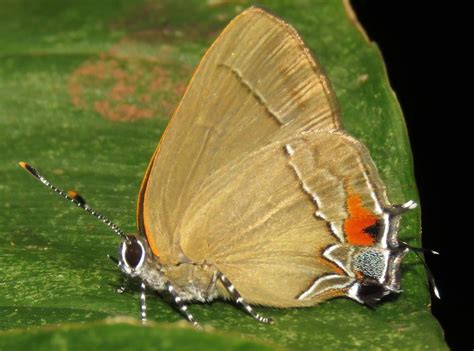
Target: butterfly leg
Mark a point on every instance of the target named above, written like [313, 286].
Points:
[143, 302]
[182, 306]
[240, 300]
[123, 286]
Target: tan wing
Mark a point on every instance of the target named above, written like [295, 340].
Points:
[256, 84]
[340, 176]
[255, 219]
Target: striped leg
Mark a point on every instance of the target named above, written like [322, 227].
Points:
[123, 286]
[182, 306]
[240, 300]
[143, 303]
[120, 289]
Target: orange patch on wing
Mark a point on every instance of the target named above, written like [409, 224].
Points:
[359, 218]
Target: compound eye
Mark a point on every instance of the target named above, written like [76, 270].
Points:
[133, 253]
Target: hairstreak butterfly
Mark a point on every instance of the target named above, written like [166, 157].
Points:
[255, 193]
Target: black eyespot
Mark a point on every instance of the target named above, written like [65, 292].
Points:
[374, 229]
[133, 252]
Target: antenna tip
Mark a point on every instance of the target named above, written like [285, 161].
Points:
[29, 169]
[436, 292]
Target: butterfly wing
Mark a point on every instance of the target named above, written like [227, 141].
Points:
[265, 220]
[256, 84]
[342, 180]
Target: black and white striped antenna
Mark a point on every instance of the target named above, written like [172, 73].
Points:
[75, 198]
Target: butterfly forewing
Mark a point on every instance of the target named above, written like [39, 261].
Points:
[257, 84]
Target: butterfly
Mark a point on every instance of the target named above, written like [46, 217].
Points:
[255, 193]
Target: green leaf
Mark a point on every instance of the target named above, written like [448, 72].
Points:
[86, 89]
[124, 334]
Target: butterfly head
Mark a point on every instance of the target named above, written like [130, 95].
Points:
[132, 255]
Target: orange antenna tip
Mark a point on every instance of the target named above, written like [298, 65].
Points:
[29, 169]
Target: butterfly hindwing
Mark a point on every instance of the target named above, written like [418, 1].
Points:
[265, 220]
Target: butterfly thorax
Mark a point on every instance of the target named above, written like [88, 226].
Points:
[192, 281]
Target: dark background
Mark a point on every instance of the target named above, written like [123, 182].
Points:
[424, 52]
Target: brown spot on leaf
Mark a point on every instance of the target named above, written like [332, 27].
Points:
[127, 88]
[57, 171]
[142, 75]
[363, 78]
[172, 21]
